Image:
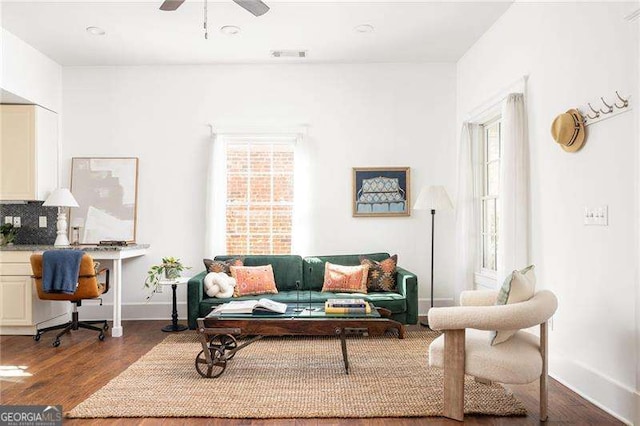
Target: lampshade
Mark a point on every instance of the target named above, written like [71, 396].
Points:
[433, 197]
[61, 197]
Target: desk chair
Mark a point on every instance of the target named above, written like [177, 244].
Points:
[88, 288]
[465, 344]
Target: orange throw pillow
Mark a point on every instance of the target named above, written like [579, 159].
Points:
[348, 279]
[253, 280]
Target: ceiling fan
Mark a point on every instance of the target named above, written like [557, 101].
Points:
[256, 7]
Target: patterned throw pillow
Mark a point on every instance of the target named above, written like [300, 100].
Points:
[519, 286]
[222, 265]
[348, 279]
[382, 275]
[253, 280]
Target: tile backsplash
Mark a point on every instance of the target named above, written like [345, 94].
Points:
[29, 214]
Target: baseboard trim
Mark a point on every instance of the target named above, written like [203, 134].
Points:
[617, 399]
[133, 311]
[425, 304]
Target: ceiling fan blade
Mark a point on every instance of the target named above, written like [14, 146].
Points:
[170, 5]
[257, 7]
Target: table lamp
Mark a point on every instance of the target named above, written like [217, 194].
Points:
[61, 198]
[433, 198]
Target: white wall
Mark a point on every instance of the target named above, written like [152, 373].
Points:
[359, 115]
[573, 54]
[29, 74]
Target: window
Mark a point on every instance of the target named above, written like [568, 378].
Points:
[489, 200]
[259, 199]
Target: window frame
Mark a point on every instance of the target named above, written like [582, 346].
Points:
[252, 140]
[484, 277]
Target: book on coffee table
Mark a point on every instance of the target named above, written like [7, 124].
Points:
[251, 306]
[346, 303]
[328, 309]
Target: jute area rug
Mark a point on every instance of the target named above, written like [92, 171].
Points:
[291, 378]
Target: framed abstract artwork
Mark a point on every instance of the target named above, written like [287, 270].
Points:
[381, 191]
[107, 191]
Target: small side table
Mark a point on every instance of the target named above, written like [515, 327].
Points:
[174, 326]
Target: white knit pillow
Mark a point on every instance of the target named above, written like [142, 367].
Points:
[519, 286]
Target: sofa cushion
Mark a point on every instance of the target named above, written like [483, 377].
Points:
[222, 265]
[350, 279]
[253, 280]
[313, 266]
[382, 275]
[393, 301]
[287, 269]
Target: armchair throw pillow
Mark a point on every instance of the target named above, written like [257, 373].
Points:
[253, 280]
[519, 286]
[348, 279]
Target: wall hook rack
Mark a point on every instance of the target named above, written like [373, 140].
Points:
[619, 106]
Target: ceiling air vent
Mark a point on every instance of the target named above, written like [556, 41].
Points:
[289, 53]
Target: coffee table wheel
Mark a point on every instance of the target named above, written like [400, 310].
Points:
[226, 342]
[217, 367]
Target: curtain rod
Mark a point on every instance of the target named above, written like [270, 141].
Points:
[519, 84]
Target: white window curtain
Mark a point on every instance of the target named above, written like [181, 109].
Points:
[302, 213]
[215, 209]
[467, 217]
[513, 247]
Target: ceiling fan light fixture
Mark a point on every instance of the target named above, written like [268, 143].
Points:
[364, 28]
[230, 30]
[96, 31]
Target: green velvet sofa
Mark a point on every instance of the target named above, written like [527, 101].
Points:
[309, 271]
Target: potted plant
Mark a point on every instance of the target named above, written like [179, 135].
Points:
[8, 234]
[169, 269]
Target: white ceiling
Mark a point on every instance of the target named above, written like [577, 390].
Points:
[140, 34]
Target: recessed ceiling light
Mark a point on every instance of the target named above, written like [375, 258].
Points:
[364, 28]
[96, 31]
[230, 30]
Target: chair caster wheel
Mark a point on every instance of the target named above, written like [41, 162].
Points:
[106, 326]
[37, 337]
[56, 343]
[101, 337]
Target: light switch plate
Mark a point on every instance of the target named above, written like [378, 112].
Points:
[8, 219]
[42, 221]
[596, 216]
[17, 222]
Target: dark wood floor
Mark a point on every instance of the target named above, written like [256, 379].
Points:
[81, 365]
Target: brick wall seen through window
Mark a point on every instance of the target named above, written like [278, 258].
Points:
[259, 197]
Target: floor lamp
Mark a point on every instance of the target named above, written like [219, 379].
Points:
[432, 198]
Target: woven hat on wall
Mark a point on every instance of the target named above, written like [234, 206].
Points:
[568, 130]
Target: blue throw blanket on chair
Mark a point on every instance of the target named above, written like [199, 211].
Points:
[60, 270]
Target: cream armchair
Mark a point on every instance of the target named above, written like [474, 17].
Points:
[521, 359]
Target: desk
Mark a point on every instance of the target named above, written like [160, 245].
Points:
[115, 254]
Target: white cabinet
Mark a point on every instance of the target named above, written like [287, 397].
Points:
[20, 308]
[28, 152]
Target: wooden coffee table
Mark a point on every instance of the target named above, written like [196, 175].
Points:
[219, 332]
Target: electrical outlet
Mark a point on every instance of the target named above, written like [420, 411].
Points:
[8, 219]
[17, 222]
[159, 289]
[42, 221]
